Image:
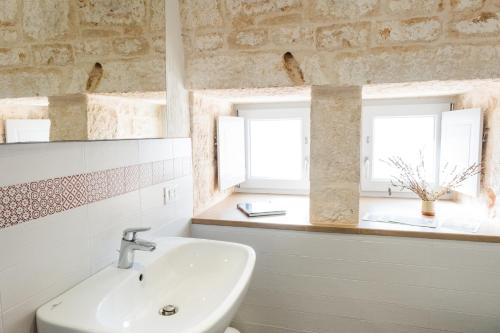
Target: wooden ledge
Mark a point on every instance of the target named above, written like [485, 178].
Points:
[297, 218]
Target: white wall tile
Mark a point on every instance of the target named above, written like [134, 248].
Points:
[156, 150]
[40, 259]
[182, 147]
[111, 154]
[388, 284]
[23, 163]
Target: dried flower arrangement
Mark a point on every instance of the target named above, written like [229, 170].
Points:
[413, 178]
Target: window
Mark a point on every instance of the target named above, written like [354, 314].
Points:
[276, 147]
[410, 129]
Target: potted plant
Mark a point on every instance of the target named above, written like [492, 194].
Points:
[412, 178]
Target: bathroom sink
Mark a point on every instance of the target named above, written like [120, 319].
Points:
[185, 286]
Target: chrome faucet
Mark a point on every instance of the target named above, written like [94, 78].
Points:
[131, 243]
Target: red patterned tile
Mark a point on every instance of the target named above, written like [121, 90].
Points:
[15, 205]
[74, 191]
[46, 197]
[146, 177]
[115, 179]
[132, 175]
[96, 185]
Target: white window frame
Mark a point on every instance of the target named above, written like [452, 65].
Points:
[403, 107]
[277, 111]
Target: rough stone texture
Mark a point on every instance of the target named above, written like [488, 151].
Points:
[131, 46]
[413, 7]
[292, 37]
[47, 19]
[14, 57]
[248, 39]
[209, 42]
[69, 37]
[345, 9]
[201, 13]
[204, 113]
[68, 117]
[412, 30]
[335, 141]
[483, 24]
[8, 12]
[343, 36]
[53, 54]
[354, 42]
[112, 12]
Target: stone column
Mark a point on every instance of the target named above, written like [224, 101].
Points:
[335, 154]
[68, 117]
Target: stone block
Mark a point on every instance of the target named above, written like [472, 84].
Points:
[208, 42]
[345, 9]
[29, 82]
[343, 36]
[413, 7]
[8, 35]
[484, 24]
[53, 54]
[292, 36]
[201, 13]
[112, 12]
[8, 12]
[130, 46]
[47, 19]
[260, 7]
[92, 48]
[159, 44]
[14, 56]
[333, 203]
[466, 5]
[247, 39]
[157, 22]
[412, 30]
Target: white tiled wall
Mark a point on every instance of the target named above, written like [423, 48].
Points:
[334, 283]
[44, 257]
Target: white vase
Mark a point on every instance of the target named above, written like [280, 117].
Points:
[428, 208]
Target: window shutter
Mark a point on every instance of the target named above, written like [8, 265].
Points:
[461, 145]
[230, 151]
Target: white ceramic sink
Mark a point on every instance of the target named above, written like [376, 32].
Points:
[206, 280]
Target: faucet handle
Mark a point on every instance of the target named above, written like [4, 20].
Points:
[129, 234]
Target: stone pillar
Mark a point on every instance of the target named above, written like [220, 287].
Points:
[68, 117]
[335, 154]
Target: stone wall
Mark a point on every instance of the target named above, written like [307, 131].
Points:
[204, 113]
[264, 43]
[488, 99]
[50, 47]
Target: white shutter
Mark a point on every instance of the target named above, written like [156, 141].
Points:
[231, 151]
[461, 145]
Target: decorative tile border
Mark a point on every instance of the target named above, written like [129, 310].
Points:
[30, 201]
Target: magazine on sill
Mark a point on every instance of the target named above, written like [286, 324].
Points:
[416, 221]
[261, 208]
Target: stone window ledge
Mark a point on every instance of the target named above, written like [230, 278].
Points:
[297, 218]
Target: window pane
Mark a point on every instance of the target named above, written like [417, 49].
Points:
[406, 137]
[276, 148]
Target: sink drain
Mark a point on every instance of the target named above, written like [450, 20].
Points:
[168, 310]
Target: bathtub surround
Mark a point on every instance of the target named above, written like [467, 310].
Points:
[323, 283]
[41, 258]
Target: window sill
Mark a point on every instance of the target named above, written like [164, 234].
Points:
[297, 218]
